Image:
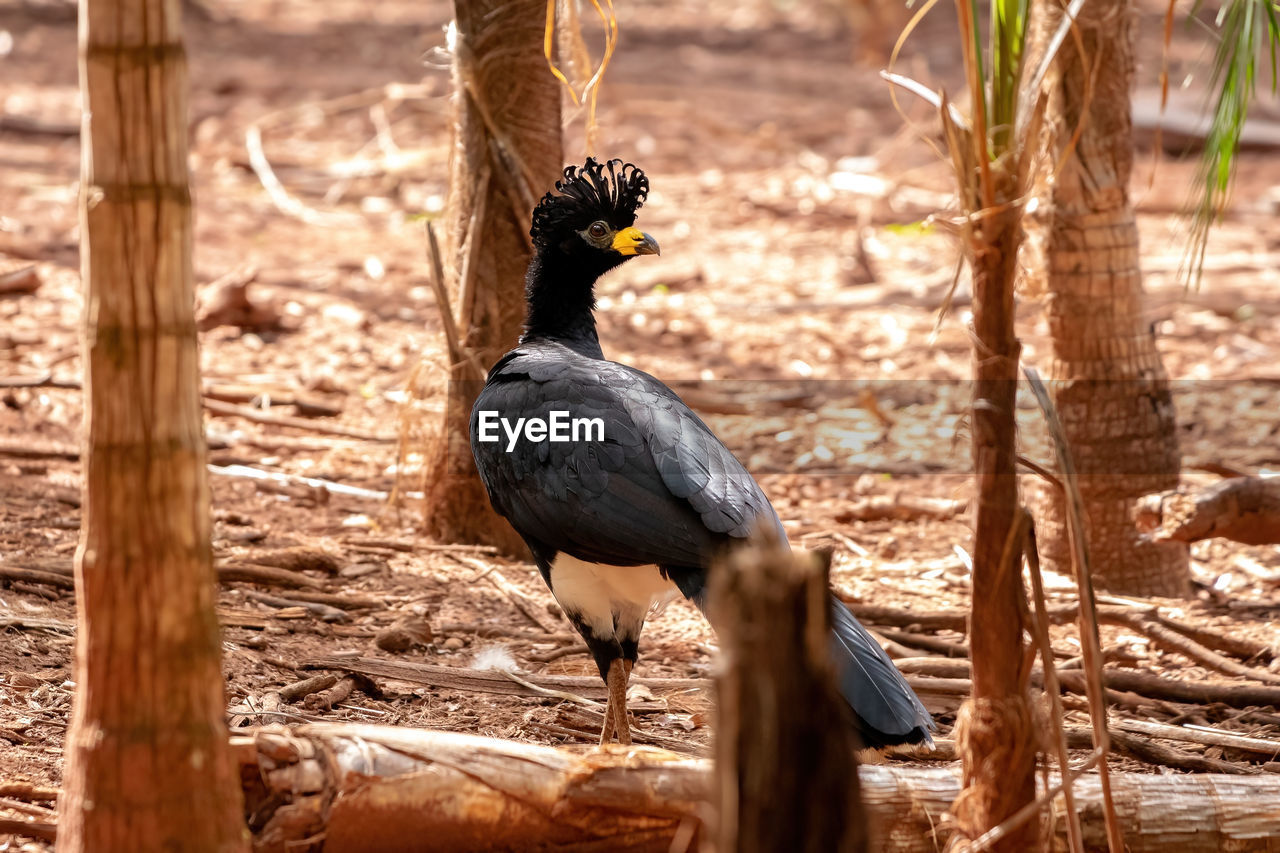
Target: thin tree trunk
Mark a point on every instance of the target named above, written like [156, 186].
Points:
[506, 154]
[994, 729]
[1108, 381]
[786, 770]
[148, 764]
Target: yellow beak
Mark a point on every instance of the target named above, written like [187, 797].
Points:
[633, 241]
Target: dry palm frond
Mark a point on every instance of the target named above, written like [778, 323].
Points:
[591, 89]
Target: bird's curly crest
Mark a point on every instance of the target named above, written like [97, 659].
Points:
[612, 191]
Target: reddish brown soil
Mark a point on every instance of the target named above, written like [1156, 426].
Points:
[781, 178]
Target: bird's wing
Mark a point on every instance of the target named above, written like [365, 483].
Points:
[658, 488]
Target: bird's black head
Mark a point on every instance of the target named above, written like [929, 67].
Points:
[590, 216]
[581, 230]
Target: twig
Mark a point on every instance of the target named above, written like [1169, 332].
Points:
[261, 417]
[28, 791]
[280, 197]
[323, 612]
[936, 645]
[1202, 734]
[491, 681]
[1151, 752]
[547, 691]
[25, 449]
[30, 828]
[480, 630]
[410, 547]
[33, 623]
[1041, 630]
[471, 246]
[17, 573]
[300, 689]
[41, 380]
[23, 280]
[1090, 644]
[556, 654]
[293, 479]
[521, 601]
[336, 694]
[345, 602]
[266, 575]
[458, 352]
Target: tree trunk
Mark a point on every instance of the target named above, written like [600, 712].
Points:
[148, 764]
[379, 789]
[785, 750]
[1108, 381]
[997, 740]
[506, 154]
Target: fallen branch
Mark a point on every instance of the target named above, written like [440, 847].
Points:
[1061, 613]
[1144, 684]
[1242, 509]
[1164, 635]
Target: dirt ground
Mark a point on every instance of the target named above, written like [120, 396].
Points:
[787, 197]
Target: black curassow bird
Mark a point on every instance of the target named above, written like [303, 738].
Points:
[620, 523]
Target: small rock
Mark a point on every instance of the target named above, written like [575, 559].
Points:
[454, 643]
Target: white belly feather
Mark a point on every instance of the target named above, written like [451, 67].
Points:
[602, 595]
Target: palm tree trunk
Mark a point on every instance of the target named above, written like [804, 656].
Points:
[148, 762]
[994, 730]
[1108, 381]
[506, 154]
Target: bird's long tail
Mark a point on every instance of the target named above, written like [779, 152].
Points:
[886, 710]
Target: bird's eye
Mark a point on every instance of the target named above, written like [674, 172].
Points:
[598, 230]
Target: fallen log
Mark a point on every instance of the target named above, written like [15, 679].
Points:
[375, 789]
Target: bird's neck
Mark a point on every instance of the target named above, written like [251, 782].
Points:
[560, 299]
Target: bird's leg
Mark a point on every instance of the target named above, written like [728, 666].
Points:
[615, 710]
[624, 717]
[606, 732]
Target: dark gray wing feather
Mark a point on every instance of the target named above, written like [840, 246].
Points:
[659, 488]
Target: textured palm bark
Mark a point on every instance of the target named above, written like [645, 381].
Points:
[506, 154]
[996, 739]
[148, 763]
[1106, 375]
